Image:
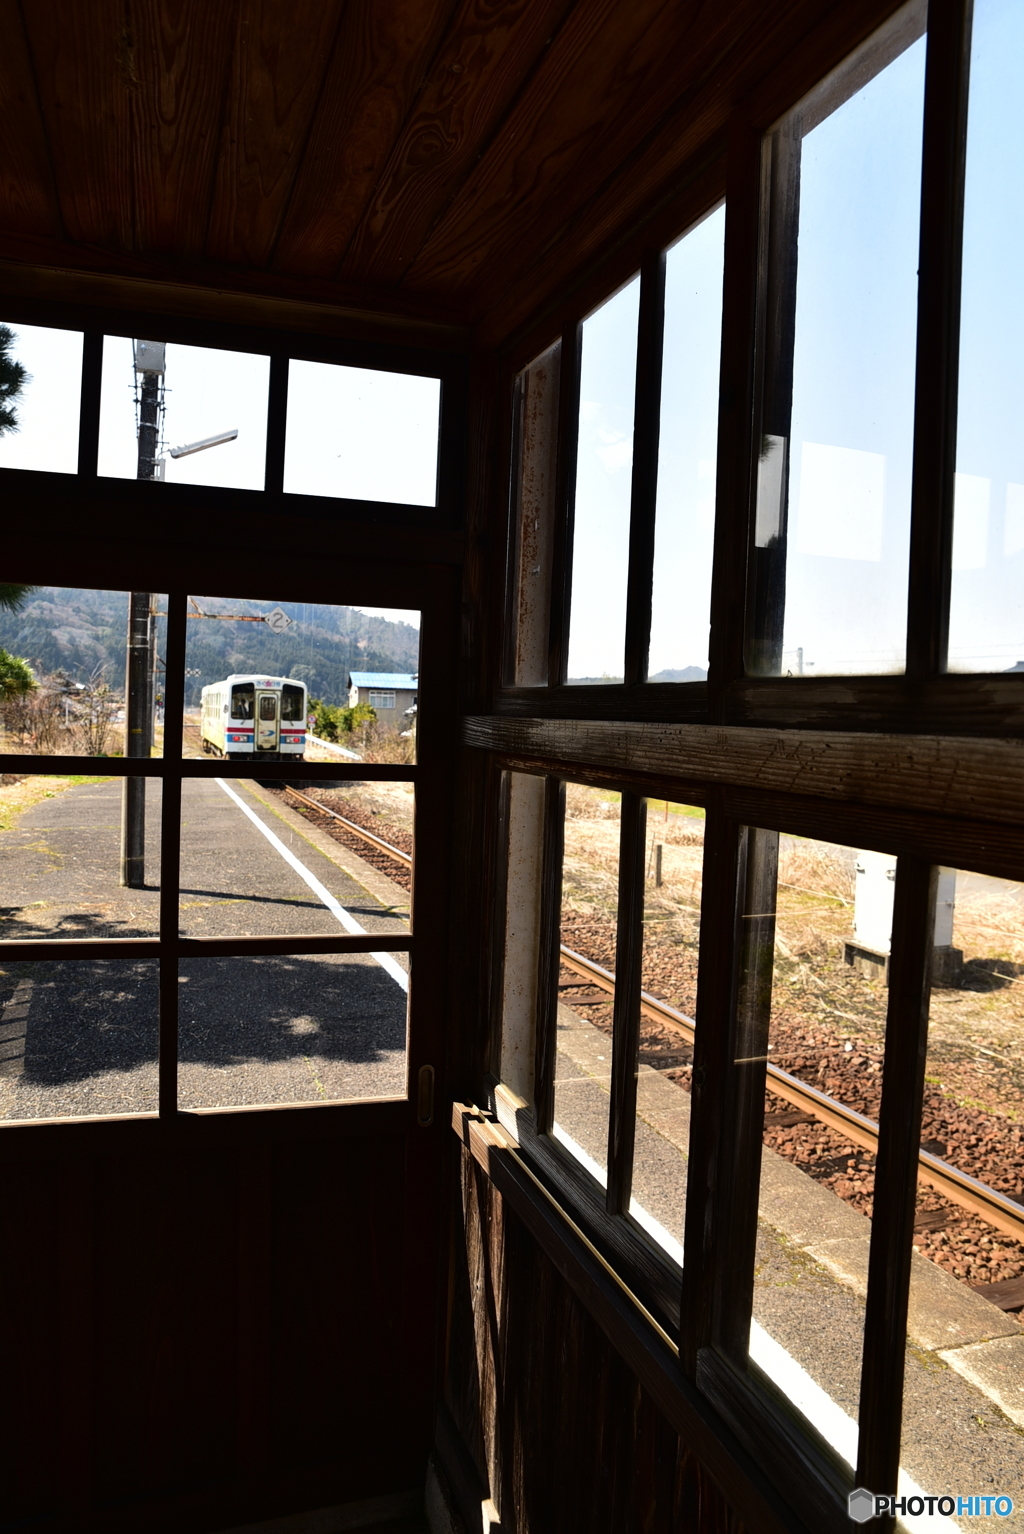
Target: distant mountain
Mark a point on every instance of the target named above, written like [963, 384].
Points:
[687, 674]
[84, 632]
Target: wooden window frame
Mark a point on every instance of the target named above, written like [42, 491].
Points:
[839, 759]
[424, 550]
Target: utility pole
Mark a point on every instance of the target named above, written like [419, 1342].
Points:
[139, 665]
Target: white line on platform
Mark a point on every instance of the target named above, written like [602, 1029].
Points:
[336, 909]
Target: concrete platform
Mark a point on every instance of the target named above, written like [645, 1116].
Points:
[79, 1037]
[964, 1364]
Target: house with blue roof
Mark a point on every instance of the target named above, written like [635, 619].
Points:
[389, 694]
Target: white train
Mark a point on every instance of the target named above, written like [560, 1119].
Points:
[255, 716]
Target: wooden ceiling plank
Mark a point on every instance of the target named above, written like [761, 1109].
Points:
[182, 57]
[84, 62]
[491, 47]
[28, 195]
[601, 88]
[381, 58]
[282, 55]
[654, 174]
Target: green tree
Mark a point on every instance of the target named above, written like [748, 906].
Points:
[12, 595]
[16, 678]
[13, 378]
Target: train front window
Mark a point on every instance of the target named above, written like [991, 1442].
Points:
[243, 700]
[291, 702]
[268, 706]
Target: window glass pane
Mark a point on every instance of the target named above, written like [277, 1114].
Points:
[190, 415]
[968, 1367]
[589, 914]
[279, 681]
[78, 1038]
[986, 623]
[825, 1029]
[672, 891]
[270, 860]
[362, 434]
[62, 672]
[320, 1028]
[60, 859]
[604, 463]
[687, 454]
[834, 477]
[39, 425]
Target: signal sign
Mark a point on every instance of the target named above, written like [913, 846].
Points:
[278, 621]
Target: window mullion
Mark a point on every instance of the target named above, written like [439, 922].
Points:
[170, 848]
[626, 1014]
[938, 334]
[712, 1053]
[735, 468]
[644, 490]
[548, 957]
[895, 1195]
[565, 503]
[89, 409]
[277, 412]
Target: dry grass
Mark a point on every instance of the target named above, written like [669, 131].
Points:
[582, 803]
[21, 793]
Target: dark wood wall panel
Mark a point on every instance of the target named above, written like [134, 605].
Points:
[571, 1440]
[213, 1333]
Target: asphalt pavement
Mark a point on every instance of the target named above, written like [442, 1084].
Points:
[80, 1037]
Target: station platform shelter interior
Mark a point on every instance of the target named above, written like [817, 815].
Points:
[714, 308]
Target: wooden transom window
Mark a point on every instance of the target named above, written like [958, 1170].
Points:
[757, 992]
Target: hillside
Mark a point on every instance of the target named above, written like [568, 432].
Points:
[83, 632]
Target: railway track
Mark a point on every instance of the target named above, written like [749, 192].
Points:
[965, 1191]
[350, 825]
[958, 1187]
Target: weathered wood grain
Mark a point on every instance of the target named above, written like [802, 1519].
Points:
[576, 1361]
[489, 49]
[86, 74]
[597, 67]
[28, 196]
[650, 172]
[177, 63]
[381, 56]
[280, 57]
[943, 775]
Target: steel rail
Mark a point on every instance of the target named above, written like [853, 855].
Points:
[996, 1208]
[350, 825]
